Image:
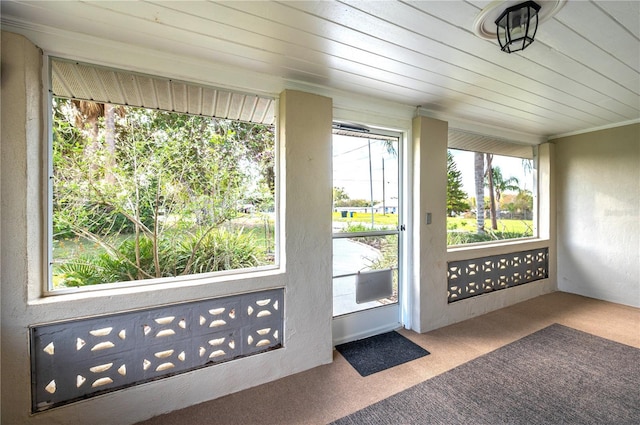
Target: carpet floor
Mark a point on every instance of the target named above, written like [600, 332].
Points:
[327, 393]
[555, 375]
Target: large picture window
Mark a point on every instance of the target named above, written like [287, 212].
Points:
[144, 193]
[490, 197]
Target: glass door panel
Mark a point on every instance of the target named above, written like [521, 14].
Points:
[366, 230]
[355, 255]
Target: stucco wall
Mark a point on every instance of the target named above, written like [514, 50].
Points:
[1, 155]
[305, 176]
[305, 153]
[430, 256]
[598, 184]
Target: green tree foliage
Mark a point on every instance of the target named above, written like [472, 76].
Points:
[341, 199]
[456, 197]
[501, 185]
[156, 191]
[340, 196]
[360, 203]
[523, 204]
[497, 185]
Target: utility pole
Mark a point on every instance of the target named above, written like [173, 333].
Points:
[371, 185]
[384, 207]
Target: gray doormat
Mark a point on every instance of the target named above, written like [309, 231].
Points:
[380, 352]
[556, 375]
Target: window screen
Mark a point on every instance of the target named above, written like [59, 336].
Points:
[491, 189]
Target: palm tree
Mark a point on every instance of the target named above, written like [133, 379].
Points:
[492, 198]
[88, 115]
[500, 185]
[479, 179]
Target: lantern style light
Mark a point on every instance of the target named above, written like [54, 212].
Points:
[517, 26]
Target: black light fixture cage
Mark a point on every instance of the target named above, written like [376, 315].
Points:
[517, 26]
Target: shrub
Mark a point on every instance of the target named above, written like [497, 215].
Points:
[460, 238]
[203, 252]
[99, 219]
[218, 250]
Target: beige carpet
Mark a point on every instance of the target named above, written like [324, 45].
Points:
[326, 393]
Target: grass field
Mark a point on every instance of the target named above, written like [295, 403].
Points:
[379, 219]
[462, 231]
[504, 225]
[453, 223]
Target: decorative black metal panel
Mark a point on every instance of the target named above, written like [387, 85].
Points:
[81, 358]
[469, 278]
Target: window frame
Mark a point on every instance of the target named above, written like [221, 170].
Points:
[364, 131]
[536, 204]
[192, 279]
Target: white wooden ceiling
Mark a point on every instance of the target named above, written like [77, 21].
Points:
[581, 73]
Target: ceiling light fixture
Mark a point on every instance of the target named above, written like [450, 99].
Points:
[517, 26]
[511, 20]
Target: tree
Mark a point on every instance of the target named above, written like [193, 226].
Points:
[527, 166]
[155, 196]
[523, 203]
[89, 117]
[492, 198]
[479, 186]
[256, 142]
[497, 185]
[456, 197]
[339, 196]
[501, 185]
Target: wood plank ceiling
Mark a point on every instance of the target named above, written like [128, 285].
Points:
[581, 73]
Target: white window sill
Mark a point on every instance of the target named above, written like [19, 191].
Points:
[483, 249]
[213, 283]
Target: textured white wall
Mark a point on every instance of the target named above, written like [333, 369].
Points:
[1, 155]
[429, 287]
[430, 137]
[305, 129]
[598, 184]
[305, 167]
[22, 90]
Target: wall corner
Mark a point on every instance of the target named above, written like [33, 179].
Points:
[429, 280]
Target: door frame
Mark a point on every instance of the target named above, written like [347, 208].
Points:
[385, 318]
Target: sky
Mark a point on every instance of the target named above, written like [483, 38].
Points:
[351, 169]
[509, 166]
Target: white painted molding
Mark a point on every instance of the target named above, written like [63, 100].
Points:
[591, 130]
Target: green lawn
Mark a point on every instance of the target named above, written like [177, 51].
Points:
[461, 231]
[379, 219]
[453, 223]
[68, 248]
[504, 225]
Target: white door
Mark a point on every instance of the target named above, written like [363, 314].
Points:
[367, 232]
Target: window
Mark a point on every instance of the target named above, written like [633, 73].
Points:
[153, 178]
[490, 196]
